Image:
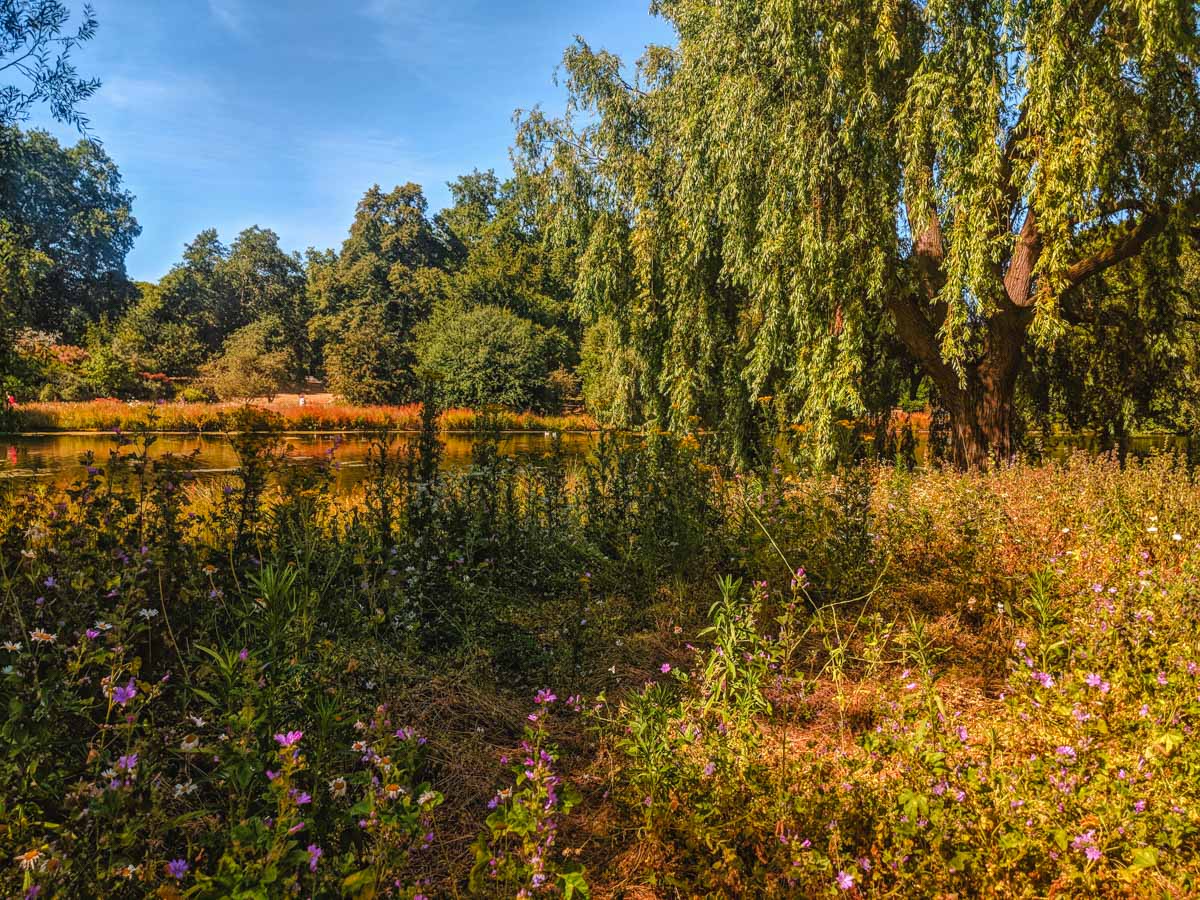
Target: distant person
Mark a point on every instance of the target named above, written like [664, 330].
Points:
[301, 401]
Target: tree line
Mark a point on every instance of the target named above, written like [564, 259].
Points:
[798, 213]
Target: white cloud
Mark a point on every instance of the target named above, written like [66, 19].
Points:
[230, 14]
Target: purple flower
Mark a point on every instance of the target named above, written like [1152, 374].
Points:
[177, 868]
[544, 696]
[314, 854]
[665, 668]
[303, 798]
[1045, 679]
[92, 634]
[51, 582]
[127, 763]
[845, 881]
[1139, 806]
[122, 695]
[243, 654]
[287, 740]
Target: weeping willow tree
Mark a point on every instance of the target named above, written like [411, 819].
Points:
[797, 182]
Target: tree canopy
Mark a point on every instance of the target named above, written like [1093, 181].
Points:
[791, 177]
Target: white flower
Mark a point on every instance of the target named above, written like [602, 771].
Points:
[426, 797]
[337, 787]
[182, 790]
[189, 743]
[13, 646]
[1177, 536]
[29, 860]
[197, 721]
[42, 637]
[1153, 529]
[147, 614]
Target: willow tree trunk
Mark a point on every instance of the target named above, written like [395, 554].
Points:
[981, 401]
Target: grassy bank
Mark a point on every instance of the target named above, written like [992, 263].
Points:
[634, 678]
[107, 415]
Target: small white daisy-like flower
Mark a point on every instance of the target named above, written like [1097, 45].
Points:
[147, 613]
[426, 797]
[190, 744]
[1177, 536]
[12, 646]
[29, 860]
[359, 746]
[392, 791]
[337, 787]
[42, 636]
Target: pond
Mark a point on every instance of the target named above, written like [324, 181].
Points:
[56, 457]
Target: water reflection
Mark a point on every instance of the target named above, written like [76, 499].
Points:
[57, 457]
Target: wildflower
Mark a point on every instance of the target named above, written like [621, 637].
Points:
[177, 868]
[12, 646]
[359, 746]
[1177, 536]
[314, 854]
[122, 694]
[337, 787]
[1095, 681]
[845, 881]
[1045, 679]
[1064, 750]
[190, 743]
[665, 668]
[544, 696]
[1162, 678]
[29, 860]
[288, 739]
[302, 798]
[392, 790]
[1139, 806]
[864, 864]
[148, 613]
[127, 763]
[299, 826]
[961, 731]
[42, 636]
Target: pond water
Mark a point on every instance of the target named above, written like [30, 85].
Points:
[56, 457]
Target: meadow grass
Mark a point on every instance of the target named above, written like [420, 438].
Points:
[108, 415]
[634, 676]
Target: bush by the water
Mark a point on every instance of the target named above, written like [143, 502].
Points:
[630, 676]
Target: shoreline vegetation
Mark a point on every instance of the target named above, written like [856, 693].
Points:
[99, 416]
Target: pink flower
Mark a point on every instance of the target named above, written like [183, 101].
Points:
[665, 668]
[287, 740]
[845, 881]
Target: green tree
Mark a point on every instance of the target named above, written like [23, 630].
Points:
[35, 58]
[67, 204]
[155, 338]
[367, 361]
[255, 362]
[795, 172]
[387, 276]
[1129, 356]
[484, 355]
[267, 283]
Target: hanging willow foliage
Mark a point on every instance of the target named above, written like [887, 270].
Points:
[796, 183]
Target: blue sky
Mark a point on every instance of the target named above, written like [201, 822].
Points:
[281, 113]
